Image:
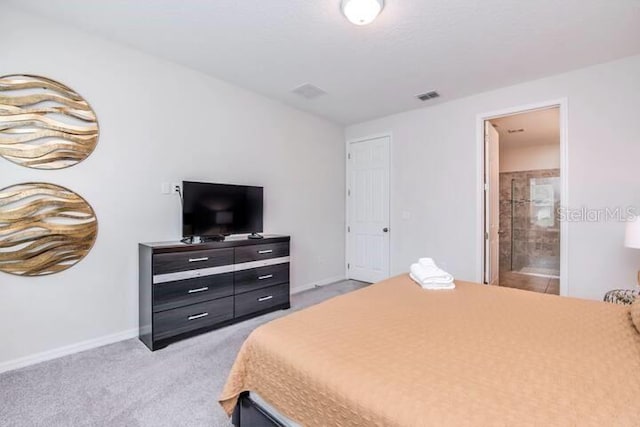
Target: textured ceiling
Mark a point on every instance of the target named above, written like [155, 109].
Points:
[458, 47]
[541, 127]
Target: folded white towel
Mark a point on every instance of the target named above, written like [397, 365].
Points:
[433, 286]
[430, 274]
[426, 262]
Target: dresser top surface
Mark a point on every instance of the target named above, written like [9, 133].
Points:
[229, 242]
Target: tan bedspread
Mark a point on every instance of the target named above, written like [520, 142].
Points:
[395, 354]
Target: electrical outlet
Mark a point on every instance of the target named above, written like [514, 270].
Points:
[176, 188]
[165, 188]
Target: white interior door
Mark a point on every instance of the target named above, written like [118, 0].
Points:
[492, 204]
[368, 210]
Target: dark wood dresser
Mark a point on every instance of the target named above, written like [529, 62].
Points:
[187, 289]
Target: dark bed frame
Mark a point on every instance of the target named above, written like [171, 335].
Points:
[248, 413]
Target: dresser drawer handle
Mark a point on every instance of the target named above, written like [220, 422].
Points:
[265, 251]
[198, 316]
[193, 291]
[265, 298]
[267, 276]
[205, 258]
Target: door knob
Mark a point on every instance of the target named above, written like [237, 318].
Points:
[386, 230]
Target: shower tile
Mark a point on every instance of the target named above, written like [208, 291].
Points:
[525, 241]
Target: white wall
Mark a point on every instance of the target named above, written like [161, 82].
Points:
[160, 122]
[436, 173]
[528, 158]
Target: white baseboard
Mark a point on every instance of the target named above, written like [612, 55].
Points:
[119, 336]
[317, 284]
[67, 350]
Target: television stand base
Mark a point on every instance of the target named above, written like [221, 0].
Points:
[255, 236]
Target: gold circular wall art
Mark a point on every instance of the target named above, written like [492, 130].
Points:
[44, 124]
[44, 229]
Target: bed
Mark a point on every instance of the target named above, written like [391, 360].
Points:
[393, 354]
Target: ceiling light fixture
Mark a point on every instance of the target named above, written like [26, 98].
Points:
[361, 12]
[309, 91]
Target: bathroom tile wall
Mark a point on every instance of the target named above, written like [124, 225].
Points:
[526, 240]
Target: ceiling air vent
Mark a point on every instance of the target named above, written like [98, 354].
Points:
[309, 91]
[429, 95]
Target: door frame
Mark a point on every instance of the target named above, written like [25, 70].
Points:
[348, 143]
[488, 194]
[562, 104]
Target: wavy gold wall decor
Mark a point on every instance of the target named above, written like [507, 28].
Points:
[44, 124]
[44, 229]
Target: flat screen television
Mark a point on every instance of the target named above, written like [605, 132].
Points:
[214, 210]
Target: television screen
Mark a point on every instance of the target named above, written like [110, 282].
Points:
[210, 210]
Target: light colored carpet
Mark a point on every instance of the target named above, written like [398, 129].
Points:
[125, 384]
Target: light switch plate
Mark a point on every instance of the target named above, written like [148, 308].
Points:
[165, 188]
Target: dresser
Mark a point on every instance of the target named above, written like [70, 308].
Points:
[188, 289]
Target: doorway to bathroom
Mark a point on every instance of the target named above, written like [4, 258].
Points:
[523, 196]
